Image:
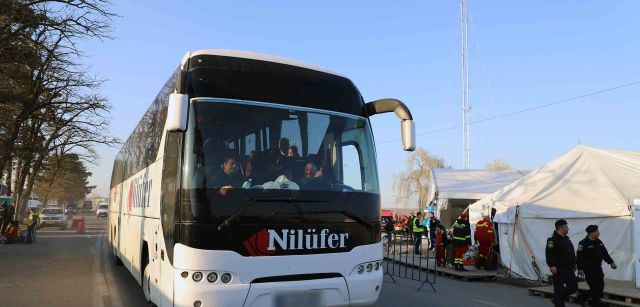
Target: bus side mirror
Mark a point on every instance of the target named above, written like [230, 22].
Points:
[177, 112]
[408, 131]
[407, 126]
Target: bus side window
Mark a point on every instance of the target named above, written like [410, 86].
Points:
[351, 168]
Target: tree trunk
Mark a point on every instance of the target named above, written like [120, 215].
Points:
[20, 184]
[9, 168]
[7, 148]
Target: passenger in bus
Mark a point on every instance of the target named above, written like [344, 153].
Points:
[283, 146]
[296, 164]
[293, 152]
[314, 178]
[281, 163]
[227, 177]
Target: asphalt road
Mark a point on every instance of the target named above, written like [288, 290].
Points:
[64, 268]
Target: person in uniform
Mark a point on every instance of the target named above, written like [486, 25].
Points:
[483, 236]
[591, 252]
[561, 259]
[418, 229]
[461, 240]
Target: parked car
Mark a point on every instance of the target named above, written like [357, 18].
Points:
[102, 211]
[52, 217]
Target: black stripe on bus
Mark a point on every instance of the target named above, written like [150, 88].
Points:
[296, 277]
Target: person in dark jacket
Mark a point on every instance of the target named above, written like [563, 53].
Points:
[461, 240]
[591, 252]
[388, 229]
[434, 223]
[5, 217]
[561, 259]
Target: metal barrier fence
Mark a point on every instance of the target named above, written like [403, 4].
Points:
[403, 261]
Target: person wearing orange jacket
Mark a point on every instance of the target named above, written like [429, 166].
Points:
[483, 236]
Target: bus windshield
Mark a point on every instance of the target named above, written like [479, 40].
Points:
[262, 146]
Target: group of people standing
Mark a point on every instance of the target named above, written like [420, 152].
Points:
[459, 236]
[563, 260]
[10, 228]
[561, 257]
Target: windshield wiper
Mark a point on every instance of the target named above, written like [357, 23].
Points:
[235, 215]
[251, 202]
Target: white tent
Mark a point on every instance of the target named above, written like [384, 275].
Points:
[584, 186]
[456, 189]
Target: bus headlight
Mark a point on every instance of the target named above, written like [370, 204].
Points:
[225, 278]
[367, 267]
[197, 276]
[212, 277]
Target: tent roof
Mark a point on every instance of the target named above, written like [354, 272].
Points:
[585, 182]
[470, 184]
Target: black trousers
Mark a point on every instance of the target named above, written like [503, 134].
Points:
[417, 242]
[5, 223]
[31, 233]
[560, 291]
[595, 280]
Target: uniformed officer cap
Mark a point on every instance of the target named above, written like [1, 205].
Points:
[591, 228]
[560, 222]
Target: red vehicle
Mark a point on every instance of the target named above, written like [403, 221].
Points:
[401, 222]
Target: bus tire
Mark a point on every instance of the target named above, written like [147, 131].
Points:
[114, 256]
[144, 265]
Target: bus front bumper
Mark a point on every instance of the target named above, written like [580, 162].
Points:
[361, 290]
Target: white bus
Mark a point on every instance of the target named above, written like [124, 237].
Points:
[251, 181]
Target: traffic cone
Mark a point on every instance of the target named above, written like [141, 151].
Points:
[81, 226]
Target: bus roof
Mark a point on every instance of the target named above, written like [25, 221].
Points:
[260, 57]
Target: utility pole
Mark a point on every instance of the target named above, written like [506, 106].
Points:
[466, 106]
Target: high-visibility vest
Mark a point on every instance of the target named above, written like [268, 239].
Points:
[417, 228]
[32, 219]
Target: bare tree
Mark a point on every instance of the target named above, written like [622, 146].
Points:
[38, 53]
[413, 183]
[498, 165]
[48, 100]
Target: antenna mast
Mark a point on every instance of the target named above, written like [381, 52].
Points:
[466, 107]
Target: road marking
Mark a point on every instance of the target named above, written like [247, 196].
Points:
[486, 303]
[99, 289]
[110, 296]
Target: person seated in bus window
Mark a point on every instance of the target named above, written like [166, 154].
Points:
[293, 152]
[283, 146]
[281, 163]
[227, 177]
[313, 178]
[248, 168]
[213, 150]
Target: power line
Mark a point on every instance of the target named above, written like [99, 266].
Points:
[503, 115]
